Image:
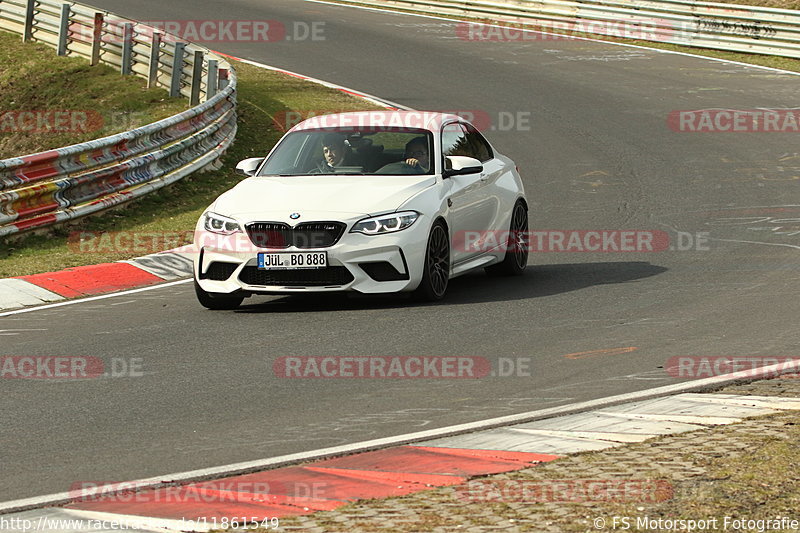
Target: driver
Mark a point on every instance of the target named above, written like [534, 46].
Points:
[417, 154]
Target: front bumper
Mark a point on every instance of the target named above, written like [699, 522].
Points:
[404, 251]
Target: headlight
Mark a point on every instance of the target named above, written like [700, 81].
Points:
[219, 224]
[385, 223]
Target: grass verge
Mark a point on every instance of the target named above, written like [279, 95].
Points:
[91, 102]
[262, 95]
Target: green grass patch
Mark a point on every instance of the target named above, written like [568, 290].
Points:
[92, 102]
[263, 95]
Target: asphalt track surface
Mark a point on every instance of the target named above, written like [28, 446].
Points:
[599, 155]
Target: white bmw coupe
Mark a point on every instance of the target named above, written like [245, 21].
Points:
[373, 202]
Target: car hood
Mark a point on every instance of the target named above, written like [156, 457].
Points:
[279, 196]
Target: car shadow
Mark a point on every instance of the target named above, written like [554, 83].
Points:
[538, 281]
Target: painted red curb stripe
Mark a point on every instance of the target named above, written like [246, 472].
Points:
[323, 485]
[451, 461]
[94, 279]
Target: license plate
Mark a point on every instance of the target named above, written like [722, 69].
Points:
[292, 260]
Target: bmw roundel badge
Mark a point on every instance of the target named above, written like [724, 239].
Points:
[294, 216]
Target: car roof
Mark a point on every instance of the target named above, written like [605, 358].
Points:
[427, 120]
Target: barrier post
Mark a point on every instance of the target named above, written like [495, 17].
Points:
[155, 53]
[127, 46]
[197, 77]
[30, 9]
[177, 70]
[97, 36]
[211, 79]
[63, 30]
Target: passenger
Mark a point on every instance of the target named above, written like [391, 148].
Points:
[416, 159]
[336, 153]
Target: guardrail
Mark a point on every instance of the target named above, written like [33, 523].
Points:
[42, 189]
[732, 27]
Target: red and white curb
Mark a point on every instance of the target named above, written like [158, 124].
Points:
[267, 496]
[93, 280]
[264, 491]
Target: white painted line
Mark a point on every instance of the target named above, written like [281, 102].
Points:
[588, 435]
[759, 242]
[376, 444]
[574, 38]
[682, 419]
[94, 298]
[514, 440]
[765, 402]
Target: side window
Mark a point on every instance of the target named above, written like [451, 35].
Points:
[480, 146]
[455, 140]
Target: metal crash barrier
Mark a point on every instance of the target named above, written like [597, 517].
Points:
[66, 183]
[732, 27]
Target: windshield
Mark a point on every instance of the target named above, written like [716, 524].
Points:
[377, 151]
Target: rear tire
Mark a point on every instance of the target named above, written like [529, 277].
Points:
[436, 269]
[216, 301]
[516, 258]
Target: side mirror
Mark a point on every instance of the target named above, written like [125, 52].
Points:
[249, 166]
[457, 165]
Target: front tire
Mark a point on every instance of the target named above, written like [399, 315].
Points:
[215, 301]
[516, 258]
[436, 270]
